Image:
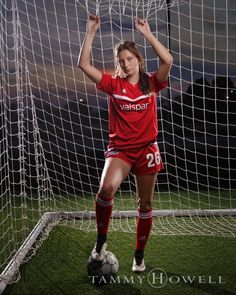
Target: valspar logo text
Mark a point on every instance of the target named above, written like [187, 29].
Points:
[158, 278]
[134, 107]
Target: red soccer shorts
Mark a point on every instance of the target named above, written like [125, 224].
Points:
[143, 161]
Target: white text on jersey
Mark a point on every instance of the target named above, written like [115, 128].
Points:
[134, 107]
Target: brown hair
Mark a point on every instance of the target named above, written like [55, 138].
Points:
[144, 82]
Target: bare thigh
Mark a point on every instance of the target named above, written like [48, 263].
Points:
[114, 172]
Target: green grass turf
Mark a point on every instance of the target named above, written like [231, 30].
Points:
[59, 267]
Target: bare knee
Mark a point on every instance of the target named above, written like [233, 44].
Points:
[106, 190]
[144, 205]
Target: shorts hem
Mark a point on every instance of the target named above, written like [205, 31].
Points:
[120, 157]
[142, 173]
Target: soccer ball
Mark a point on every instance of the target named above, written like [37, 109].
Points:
[102, 271]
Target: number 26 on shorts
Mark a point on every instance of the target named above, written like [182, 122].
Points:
[153, 159]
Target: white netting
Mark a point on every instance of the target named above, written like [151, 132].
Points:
[127, 8]
[54, 122]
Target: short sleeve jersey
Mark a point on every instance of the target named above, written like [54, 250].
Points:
[132, 114]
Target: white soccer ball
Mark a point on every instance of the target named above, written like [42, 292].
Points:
[110, 264]
[101, 272]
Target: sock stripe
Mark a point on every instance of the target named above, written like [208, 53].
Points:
[105, 203]
[145, 215]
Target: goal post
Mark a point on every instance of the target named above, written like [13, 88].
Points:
[54, 122]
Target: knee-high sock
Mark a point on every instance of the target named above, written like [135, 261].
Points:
[143, 229]
[103, 209]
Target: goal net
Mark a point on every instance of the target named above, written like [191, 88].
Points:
[54, 122]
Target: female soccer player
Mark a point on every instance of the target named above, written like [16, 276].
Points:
[132, 131]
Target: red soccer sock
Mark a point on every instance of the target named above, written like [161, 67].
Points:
[103, 214]
[143, 229]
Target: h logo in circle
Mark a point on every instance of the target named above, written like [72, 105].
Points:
[157, 278]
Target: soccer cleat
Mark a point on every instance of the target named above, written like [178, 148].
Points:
[99, 252]
[138, 266]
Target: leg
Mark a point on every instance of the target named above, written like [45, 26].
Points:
[145, 189]
[114, 172]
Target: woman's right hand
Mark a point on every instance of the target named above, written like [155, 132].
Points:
[93, 23]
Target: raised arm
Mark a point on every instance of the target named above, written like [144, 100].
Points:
[84, 57]
[166, 58]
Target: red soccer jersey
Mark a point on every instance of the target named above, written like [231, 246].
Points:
[132, 114]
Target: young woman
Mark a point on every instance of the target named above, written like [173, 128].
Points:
[132, 131]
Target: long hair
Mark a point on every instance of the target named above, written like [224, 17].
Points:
[144, 82]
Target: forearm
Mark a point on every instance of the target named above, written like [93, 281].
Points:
[84, 59]
[161, 51]
[84, 56]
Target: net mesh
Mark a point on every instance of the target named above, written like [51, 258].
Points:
[54, 122]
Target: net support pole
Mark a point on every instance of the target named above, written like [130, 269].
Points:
[13, 266]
